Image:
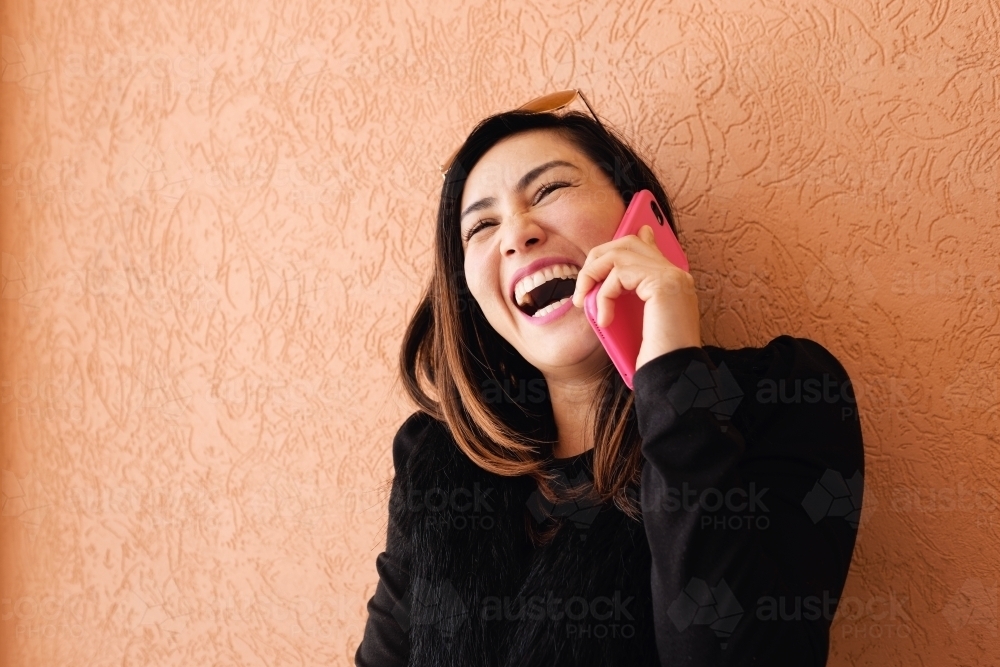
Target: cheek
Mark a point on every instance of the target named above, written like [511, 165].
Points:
[607, 223]
[483, 280]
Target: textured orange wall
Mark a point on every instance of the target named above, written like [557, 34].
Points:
[217, 218]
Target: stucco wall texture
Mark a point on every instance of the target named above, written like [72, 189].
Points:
[217, 219]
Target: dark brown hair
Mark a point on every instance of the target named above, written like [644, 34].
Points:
[458, 353]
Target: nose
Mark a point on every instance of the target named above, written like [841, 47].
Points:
[521, 232]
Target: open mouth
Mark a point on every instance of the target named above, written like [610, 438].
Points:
[548, 296]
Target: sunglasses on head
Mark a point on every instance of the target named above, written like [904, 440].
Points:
[543, 104]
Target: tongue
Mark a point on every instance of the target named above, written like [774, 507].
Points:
[552, 291]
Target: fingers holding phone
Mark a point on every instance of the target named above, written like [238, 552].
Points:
[636, 290]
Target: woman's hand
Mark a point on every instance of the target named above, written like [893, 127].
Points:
[670, 319]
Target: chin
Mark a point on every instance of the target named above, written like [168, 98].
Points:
[564, 354]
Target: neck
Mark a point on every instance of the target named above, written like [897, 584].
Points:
[572, 400]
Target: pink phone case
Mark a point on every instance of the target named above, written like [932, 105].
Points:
[623, 337]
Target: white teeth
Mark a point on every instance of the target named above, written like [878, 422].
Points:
[552, 306]
[539, 277]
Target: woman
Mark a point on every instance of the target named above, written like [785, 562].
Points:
[544, 514]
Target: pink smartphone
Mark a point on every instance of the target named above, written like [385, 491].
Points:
[623, 337]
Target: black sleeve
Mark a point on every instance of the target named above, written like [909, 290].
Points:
[751, 521]
[386, 642]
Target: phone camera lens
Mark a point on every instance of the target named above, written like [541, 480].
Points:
[657, 212]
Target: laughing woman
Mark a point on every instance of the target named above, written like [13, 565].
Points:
[542, 513]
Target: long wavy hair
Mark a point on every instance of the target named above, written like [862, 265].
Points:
[470, 368]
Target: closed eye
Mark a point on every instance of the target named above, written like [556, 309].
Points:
[547, 188]
[475, 228]
[543, 191]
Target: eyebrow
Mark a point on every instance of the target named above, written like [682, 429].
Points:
[522, 184]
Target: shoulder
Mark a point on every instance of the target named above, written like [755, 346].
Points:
[787, 362]
[412, 431]
[785, 357]
[416, 429]
[806, 356]
[795, 390]
[729, 378]
[784, 360]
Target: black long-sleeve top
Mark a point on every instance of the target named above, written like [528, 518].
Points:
[751, 495]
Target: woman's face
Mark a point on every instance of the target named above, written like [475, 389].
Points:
[536, 198]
